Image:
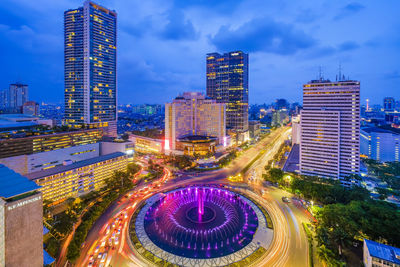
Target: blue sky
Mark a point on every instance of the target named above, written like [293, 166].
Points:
[162, 45]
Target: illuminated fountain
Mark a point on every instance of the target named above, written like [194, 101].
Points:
[200, 222]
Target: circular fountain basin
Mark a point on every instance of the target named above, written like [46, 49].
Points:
[200, 222]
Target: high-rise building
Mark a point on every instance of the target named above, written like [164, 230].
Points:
[330, 129]
[194, 124]
[18, 95]
[228, 82]
[389, 104]
[4, 99]
[30, 108]
[90, 55]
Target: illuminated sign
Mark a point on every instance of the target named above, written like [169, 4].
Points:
[23, 203]
[166, 144]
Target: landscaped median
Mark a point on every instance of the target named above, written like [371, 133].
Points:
[310, 244]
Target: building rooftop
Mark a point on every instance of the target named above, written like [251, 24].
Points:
[383, 251]
[14, 184]
[377, 130]
[79, 164]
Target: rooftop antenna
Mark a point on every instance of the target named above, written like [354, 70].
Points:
[320, 74]
[340, 71]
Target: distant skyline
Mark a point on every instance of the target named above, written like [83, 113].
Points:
[162, 45]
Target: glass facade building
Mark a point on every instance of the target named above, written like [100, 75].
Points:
[227, 82]
[90, 39]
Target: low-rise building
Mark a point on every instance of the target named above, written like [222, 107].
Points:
[146, 144]
[21, 220]
[117, 145]
[296, 130]
[380, 255]
[379, 144]
[29, 163]
[254, 129]
[62, 182]
[15, 146]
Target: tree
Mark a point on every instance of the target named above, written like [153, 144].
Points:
[276, 175]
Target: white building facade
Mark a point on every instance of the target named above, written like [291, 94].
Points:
[330, 129]
[192, 114]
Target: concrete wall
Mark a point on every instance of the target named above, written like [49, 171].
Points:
[25, 164]
[24, 232]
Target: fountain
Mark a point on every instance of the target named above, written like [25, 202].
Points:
[200, 222]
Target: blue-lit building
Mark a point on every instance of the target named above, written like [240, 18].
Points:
[379, 144]
[228, 82]
[380, 255]
[90, 55]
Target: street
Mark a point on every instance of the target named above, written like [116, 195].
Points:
[107, 243]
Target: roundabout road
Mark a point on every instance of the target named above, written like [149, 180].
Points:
[107, 244]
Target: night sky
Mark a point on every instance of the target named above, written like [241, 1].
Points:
[162, 45]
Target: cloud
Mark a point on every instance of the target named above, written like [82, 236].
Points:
[392, 75]
[347, 46]
[178, 28]
[225, 6]
[262, 35]
[349, 10]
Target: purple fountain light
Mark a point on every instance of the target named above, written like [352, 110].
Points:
[201, 222]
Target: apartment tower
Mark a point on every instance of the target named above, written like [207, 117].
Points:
[330, 129]
[90, 55]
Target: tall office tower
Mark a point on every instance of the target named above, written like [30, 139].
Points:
[389, 104]
[18, 95]
[194, 123]
[330, 129]
[227, 82]
[90, 55]
[4, 99]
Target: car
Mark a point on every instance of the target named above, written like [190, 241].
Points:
[104, 257]
[103, 243]
[90, 264]
[100, 255]
[116, 241]
[97, 249]
[108, 230]
[286, 199]
[110, 242]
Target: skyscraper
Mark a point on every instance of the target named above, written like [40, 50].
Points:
[227, 82]
[330, 129]
[389, 104]
[90, 39]
[18, 95]
[194, 124]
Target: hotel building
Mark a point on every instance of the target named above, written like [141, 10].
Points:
[62, 182]
[330, 129]
[228, 82]
[194, 124]
[14, 146]
[90, 56]
[21, 220]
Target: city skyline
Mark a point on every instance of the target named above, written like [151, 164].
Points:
[286, 50]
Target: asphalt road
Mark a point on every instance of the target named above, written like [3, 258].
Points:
[289, 246]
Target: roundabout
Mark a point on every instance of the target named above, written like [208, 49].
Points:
[200, 226]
